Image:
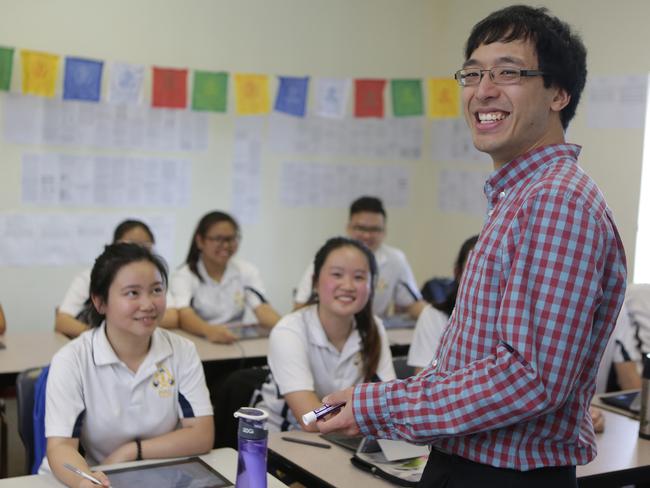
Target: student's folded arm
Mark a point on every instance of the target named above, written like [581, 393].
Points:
[266, 315]
[3, 322]
[61, 450]
[627, 375]
[67, 325]
[190, 321]
[301, 402]
[415, 308]
[170, 319]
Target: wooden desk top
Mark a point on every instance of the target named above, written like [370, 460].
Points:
[619, 450]
[223, 460]
[26, 350]
[210, 351]
[400, 337]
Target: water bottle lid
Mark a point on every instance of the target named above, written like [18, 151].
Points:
[646, 366]
[250, 413]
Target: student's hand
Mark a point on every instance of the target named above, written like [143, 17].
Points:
[126, 452]
[597, 419]
[96, 474]
[221, 334]
[343, 421]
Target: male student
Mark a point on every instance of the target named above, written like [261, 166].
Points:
[395, 282]
[505, 401]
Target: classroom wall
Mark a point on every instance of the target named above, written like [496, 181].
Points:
[338, 38]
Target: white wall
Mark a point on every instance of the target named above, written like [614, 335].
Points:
[346, 38]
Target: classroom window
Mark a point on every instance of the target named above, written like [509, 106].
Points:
[642, 257]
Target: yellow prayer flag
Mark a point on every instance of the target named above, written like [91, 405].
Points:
[444, 98]
[40, 72]
[252, 94]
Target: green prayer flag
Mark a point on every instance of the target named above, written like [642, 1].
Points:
[407, 97]
[6, 64]
[210, 91]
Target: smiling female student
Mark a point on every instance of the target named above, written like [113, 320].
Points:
[72, 314]
[214, 288]
[126, 389]
[332, 343]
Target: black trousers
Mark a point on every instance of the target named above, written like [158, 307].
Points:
[449, 471]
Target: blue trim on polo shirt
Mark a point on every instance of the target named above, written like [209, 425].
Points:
[186, 408]
[78, 424]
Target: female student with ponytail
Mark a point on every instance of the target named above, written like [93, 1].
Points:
[126, 389]
[332, 343]
[214, 288]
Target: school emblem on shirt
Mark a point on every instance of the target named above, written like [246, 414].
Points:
[239, 299]
[163, 381]
[380, 286]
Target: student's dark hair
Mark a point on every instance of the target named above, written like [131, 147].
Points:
[107, 265]
[202, 228]
[367, 204]
[128, 225]
[370, 339]
[561, 54]
[448, 304]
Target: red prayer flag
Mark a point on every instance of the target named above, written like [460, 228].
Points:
[369, 98]
[169, 88]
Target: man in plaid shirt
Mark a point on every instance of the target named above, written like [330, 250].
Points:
[505, 400]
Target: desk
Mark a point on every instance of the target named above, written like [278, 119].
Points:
[400, 340]
[210, 351]
[26, 350]
[223, 460]
[622, 459]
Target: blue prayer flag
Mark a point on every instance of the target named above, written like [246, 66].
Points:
[292, 95]
[82, 79]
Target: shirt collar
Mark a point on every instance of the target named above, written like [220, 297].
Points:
[209, 279]
[317, 334]
[104, 354]
[520, 169]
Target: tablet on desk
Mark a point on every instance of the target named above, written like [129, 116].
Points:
[247, 331]
[183, 473]
[630, 401]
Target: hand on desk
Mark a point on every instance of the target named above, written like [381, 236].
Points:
[100, 477]
[343, 421]
[597, 419]
[221, 334]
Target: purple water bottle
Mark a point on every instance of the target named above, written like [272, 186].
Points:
[252, 437]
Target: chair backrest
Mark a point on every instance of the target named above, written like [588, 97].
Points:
[25, 383]
[402, 369]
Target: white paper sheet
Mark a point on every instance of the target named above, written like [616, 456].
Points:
[616, 102]
[113, 181]
[37, 120]
[397, 450]
[318, 185]
[462, 192]
[39, 239]
[246, 169]
[451, 140]
[371, 138]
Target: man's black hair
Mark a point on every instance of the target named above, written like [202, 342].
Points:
[367, 204]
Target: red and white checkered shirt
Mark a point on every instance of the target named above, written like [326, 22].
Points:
[511, 382]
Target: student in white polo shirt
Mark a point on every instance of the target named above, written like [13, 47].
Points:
[395, 283]
[334, 342]
[72, 314]
[214, 288]
[126, 389]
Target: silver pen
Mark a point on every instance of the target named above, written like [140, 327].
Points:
[81, 473]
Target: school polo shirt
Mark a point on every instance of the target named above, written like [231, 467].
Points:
[219, 302]
[79, 291]
[395, 281]
[637, 301]
[93, 395]
[426, 338]
[302, 358]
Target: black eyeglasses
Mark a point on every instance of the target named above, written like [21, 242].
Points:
[500, 75]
